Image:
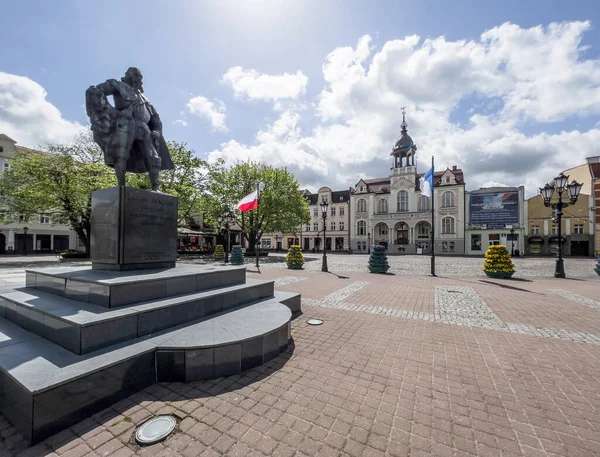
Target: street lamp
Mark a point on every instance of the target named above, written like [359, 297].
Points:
[369, 238]
[25, 229]
[226, 220]
[573, 189]
[512, 241]
[276, 243]
[324, 206]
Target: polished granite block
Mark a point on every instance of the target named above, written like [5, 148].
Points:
[133, 229]
[30, 279]
[199, 364]
[103, 334]
[51, 284]
[137, 292]
[62, 333]
[3, 305]
[252, 353]
[228, 360]
[67, 404]
[170, 366]
[271, 346]
[16, 405]
[283, 336]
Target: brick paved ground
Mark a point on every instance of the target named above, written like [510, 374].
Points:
[404, 365]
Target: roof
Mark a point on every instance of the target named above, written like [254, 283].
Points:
[382, 185]
[337, 196]
[595, 170]
[6, 137]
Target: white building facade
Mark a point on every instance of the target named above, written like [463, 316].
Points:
[394, 213]
[37, 235]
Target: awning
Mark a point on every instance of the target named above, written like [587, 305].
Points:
[186, 231]
[554, 239]
[535, 239]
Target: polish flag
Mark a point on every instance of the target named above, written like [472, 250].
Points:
[249, 202]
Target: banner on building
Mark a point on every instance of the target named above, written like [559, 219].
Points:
[494, 209]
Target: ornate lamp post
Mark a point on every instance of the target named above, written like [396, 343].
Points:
[225, 221]
[324, 205]
[25, 229]
[276, 243]
[573, 189]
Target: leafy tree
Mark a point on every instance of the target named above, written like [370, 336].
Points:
[282, 207]
[61, 180]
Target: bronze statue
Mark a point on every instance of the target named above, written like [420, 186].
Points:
[130, 133]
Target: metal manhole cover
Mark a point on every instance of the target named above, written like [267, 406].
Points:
[156, 429]
[315, 322]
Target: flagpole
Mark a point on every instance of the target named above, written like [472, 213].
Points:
[432, 218]
[257, 246]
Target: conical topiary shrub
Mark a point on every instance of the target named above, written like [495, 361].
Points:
[378, 261]
[597, 268]
[219, 253]
[237, 256]
[497, 262]
[294, 259]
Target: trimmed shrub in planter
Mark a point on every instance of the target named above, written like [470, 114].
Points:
[237, 256]
[597, 268]
[498, 263]
[294, 259]
[378, 261]
[219, 253]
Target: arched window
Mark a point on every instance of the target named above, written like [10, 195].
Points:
[382, 229]
[361, 206]
[447, 199]
[402, 233]
[423, 230]
[423, 203]
[383, 206]
[361, 227]
[448, 224]
[402, 200]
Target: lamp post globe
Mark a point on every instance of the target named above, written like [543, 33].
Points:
[324, 205]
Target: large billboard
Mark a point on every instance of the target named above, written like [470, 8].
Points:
[494, 209]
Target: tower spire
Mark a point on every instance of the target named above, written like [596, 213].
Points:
[404, 124]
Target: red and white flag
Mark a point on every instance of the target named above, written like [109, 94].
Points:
[249, 202]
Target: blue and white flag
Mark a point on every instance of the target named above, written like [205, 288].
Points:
[427, 183]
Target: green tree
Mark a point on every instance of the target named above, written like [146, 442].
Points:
[61, 180]
[282, 207]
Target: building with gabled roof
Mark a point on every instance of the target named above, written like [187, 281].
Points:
[393, 212]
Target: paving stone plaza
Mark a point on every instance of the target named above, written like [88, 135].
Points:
[404, 365]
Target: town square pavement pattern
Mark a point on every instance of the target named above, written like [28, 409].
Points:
[404, 365]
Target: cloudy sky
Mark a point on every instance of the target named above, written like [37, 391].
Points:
[509, 93]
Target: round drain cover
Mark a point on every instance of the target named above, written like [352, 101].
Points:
[315, 322]
[155, 429]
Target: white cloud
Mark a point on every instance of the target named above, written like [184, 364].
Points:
[249, 83]
[214, 111]
[536, 76]
[28, 118]
[180, 122]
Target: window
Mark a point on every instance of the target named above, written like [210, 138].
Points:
[535, 229]
[423, 203]
[361, 228]
[333, 210]
[402, 200]
[6, 166]
[382, 206]
[475, 242]
[308, 227]
[554, 215]
[447, 225]
[447, 179]
[265, 243]
[444, 246]
[341, 225]
[315, 211]
[316, 226]
[451, 246]
[423, 231]
[579, 228]
[447, 199]
[362, 206]
[554, 229]
[333, 225]
[341, 210]
[382, 229]
[44, 218]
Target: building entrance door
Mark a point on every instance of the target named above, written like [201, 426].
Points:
[580, 248]
[306, 244]
[2, 244]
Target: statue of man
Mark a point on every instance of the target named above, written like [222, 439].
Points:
[130, 133]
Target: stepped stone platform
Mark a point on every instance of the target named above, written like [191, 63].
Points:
[75, 340]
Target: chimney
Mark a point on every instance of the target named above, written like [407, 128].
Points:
[453, 167]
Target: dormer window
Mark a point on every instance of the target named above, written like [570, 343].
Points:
[447, 179]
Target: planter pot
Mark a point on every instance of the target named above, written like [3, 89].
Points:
[597, 271]
[295, 267]
[490, 274]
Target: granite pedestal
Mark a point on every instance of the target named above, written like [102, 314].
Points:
[133, 229]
